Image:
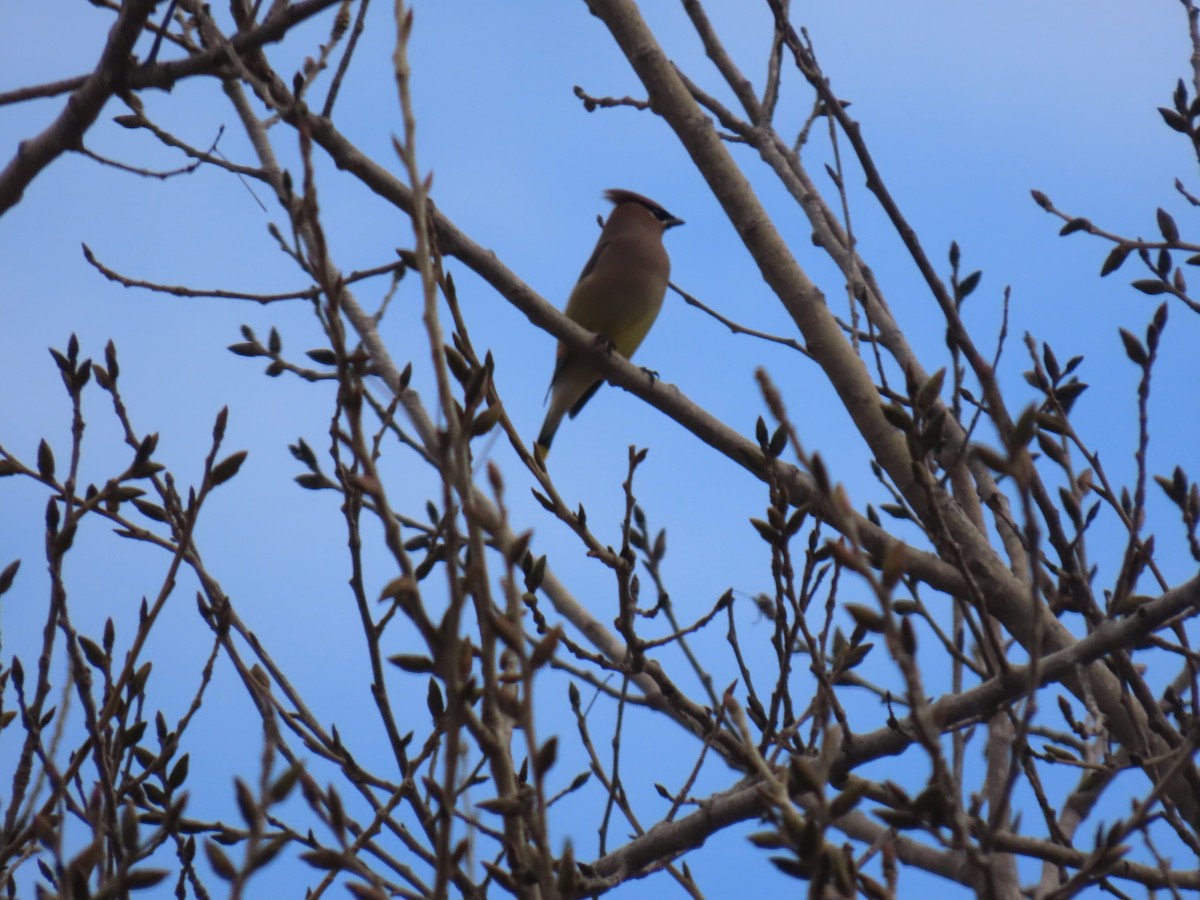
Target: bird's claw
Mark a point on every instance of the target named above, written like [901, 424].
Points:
[652, 374]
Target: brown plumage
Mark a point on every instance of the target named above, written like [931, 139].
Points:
[618, 295]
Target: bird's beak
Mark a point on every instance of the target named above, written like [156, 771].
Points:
[671, 223]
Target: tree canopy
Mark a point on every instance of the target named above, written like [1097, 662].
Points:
[879, 577]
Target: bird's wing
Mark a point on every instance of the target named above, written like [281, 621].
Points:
[601, 245]
[587, 395]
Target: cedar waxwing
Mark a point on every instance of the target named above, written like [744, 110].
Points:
[618, 295]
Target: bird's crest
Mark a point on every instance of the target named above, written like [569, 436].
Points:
[618, 196]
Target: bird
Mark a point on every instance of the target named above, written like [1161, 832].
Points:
[618, 296]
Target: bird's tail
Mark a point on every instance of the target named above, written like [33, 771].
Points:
[549, 429]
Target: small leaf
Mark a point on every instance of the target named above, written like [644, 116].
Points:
[968, 284]
[228, 467]
[865, 617]
[895, 510]
[323, 356]
[457, 364]
[219, 861]
[93, 652]
[929, 392]
[778, 442]
[151, 510]
[1115, 259]
[1149, 286]
[310, 482]
[283, 786]
[546, 757]
[1168, 486]
[418, 665]
[1023, 430]
[433, 700]
[767, 840]
[1174, 120]
[133, 734]
[140, 879]
[803, 778]
[45, 461]
[1058, 753]
[660, 545]
[64, 365]
[1133, 348]
[765, 531]
[1076, 224]
[1170, 231]
[898, 416]
[502, 806]
[1162, 263]
[9, 573]
[324, 859]
[304, 453]
[247, 805]
[1129, 604]
[180, 773]
[65, 539]
[485, 421]
[1052, 449]
[1048, 422]
[141, 467]
[268, 851]
[1068, 393]
[537, 573]
[847, 799]
[1050, 361]
[989, 457]
[543, 651]
[359, 890]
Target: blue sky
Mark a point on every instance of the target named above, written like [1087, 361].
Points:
[966, 106]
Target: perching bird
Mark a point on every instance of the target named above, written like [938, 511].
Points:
[619, 294]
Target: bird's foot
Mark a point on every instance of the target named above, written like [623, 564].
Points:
[604, 342]
[652, 374]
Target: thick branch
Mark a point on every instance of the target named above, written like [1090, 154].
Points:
[1006, 598]
[82, 109]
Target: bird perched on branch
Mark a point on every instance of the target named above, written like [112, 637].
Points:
[618, 296]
